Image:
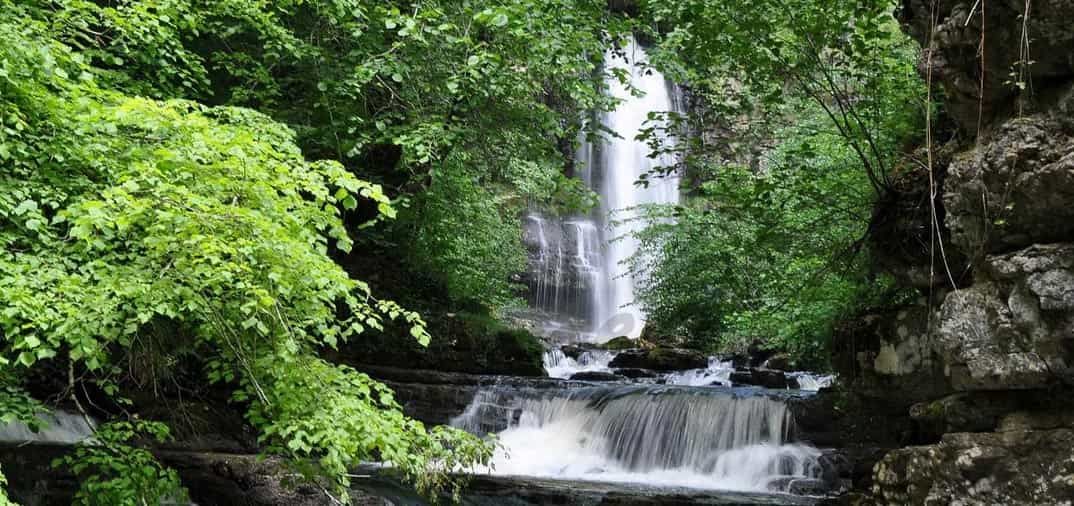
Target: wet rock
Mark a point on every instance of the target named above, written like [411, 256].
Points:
[779, 362]
[491, 490]
[634, 373]
[761, 377]
[660, 359]
[740, 377]
[860, 430]
[807, 486]
[226, 480]
[435, 397]
[836, 469]
[1018, 467]
[768, 378]
[621, 343]
[574, 350]
[792, 383]
[596, 376]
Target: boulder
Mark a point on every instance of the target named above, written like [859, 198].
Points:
[660, 359]
[768, 378]
[779, 362]
[740, 377]
[621, 343]
[761, 377]
[574, 350]
[808, 486]
[596, 376]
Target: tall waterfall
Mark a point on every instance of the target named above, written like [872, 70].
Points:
[665, 436]
[578, 272]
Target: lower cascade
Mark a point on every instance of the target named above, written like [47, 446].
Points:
[658, 435]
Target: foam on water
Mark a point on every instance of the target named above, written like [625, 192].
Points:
[661, 436]
[559, 365]
[717, 373]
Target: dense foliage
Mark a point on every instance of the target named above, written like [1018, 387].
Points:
[806, 107]
[125, 219]
[454, 106]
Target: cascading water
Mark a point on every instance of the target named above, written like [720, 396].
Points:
[624, 160]
[559, 365]
[660, 436]
[578, 274]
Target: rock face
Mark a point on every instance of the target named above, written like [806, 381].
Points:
[957, 39]
[1016, 467]
[981, 366]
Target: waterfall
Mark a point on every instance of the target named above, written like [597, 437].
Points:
[560, 365]
[623, 161]
[578, 277]
[662, 436]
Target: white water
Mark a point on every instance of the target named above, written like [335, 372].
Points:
[717, 373]
[659, 436]
[578, 272]
[813, 382]
[561, 366]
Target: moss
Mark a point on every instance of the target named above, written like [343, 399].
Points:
[621, 343]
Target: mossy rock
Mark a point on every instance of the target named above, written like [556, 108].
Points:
[660, 359]
[621, 343]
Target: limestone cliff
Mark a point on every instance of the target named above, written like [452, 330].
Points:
[986, 358]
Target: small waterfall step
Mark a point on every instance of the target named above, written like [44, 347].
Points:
[659, 436]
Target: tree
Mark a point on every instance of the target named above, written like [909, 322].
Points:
[128, 220]
[769, 245]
